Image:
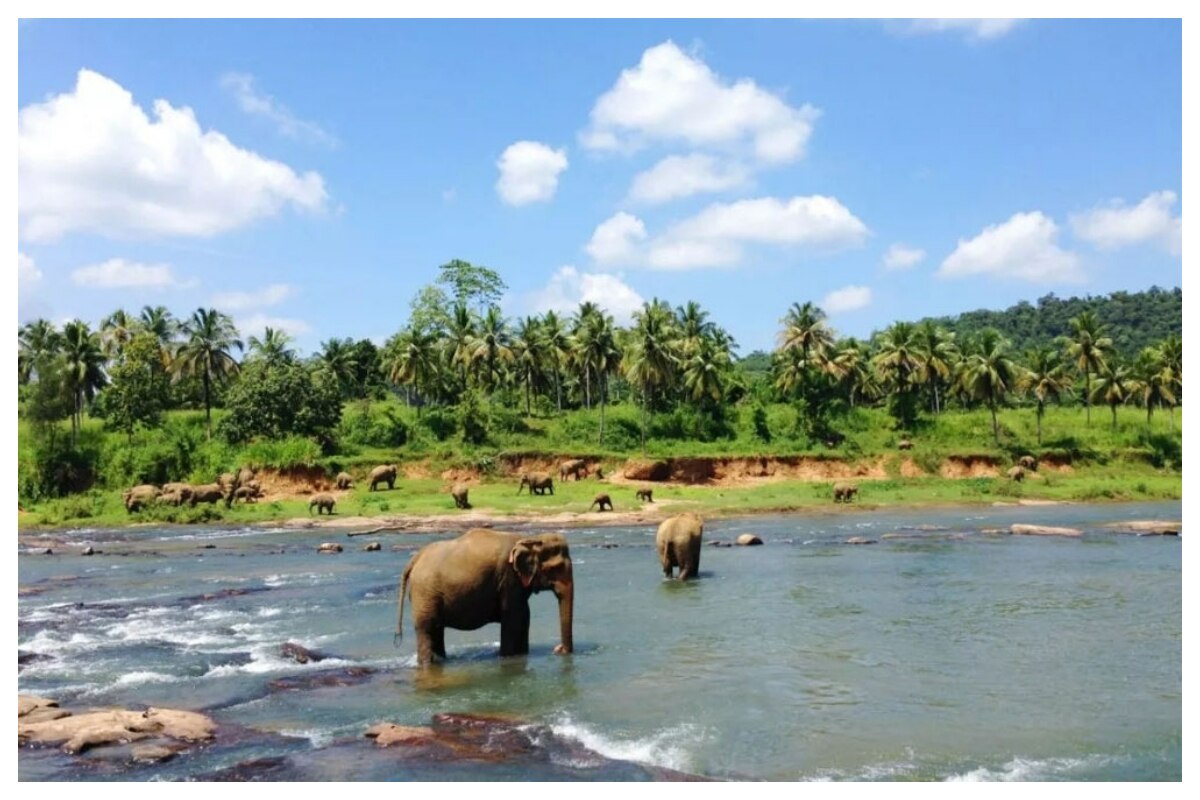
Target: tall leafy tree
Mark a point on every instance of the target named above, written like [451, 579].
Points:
[1045, 377]
[989, 374]
[938, 353]
[1088, 348]
[36, 341]
[83, 362]
[138, 390]
[272, 347]
[557, 343]
[340, 358]
[116, 330]
[411, 360]
[472, 285]
[650, 359]
[1152, 381]
[209, 337]
[163, 325]
[529, 356]
[1171, 351]
[899, 360]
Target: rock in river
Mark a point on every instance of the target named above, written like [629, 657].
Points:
[748, 540]
[1018, 529]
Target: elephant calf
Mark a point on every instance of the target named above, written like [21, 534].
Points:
[459, 493]
[344, 481]
[678, 543]
[844, 492]
[602, 500]
[323, 502]
[1028, 462]
[1016, 474]
[646, 495]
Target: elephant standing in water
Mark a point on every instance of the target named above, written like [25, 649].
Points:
[486, 576]
[678, 543]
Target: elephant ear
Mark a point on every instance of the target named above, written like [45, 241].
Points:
[524, 560]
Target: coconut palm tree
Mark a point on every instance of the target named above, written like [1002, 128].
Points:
[272, 347]
[581, 332]
[706, 371]
[650, 358]
[1171, 350]
[1152, 381]
[1045, 377]
[898, 359]
[938, 353]
[341, 359]
[1088, 348]
[989, 374]
[557, 343]
[163, 325]
[492, 347]
[115, 332]
[35, 341]
[411, 360]
[84, 368]
[598, 351]
[850, 366]
[1114, 386]
[693, 325]
[804, 329]
[461, 335]
[529, 355]
[209, 336]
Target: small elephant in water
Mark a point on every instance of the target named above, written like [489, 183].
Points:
[139, 497]
[646, 494]
[486, 576]
[602, 500]
[844, 492]
[459, 493]
[384, 474]
[1016, 474]
[576, 467]
[1028, 462]
[678, 543]
[323, 502]
[538, 483]
[344, 481]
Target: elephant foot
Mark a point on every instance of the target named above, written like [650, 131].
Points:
[561, 650]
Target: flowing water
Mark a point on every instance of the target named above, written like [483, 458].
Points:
[946, 653]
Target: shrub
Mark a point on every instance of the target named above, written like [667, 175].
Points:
[440, 421]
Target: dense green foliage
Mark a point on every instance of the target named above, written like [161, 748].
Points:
[1134, 320]
[462, 379]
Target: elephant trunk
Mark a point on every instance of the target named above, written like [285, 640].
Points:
[566, 613]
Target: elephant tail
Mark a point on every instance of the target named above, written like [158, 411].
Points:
[399, 636]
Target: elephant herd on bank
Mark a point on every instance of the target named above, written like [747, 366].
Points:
[229, 487]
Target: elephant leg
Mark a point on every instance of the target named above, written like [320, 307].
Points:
[438, 636]
[424, 646]
[514, 632]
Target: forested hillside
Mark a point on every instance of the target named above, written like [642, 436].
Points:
[1133, 320]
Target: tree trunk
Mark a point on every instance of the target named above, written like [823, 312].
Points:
[587, 386]
[1087, 394]
[527, 381]
[1149, 411]
[937, 401]
[207, 406]
[558, 387]
[1041, 409]
[603, 399]
[645, 400]
[995, 424]
[1114, 415]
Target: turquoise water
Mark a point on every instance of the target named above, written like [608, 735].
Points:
[945, 654]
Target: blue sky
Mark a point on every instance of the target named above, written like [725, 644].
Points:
[885, 170]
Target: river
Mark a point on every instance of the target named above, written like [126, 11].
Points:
[944, 653]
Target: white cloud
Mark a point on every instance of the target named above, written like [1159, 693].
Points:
[28, 274]
[848, 298]
[901, 256]
[671, 97]
[92, 160]
[616, 240]
[120, 273]
[265, 297]
[715, 237]
[682, 176]
[257, 323]
[569, 287]
[1118, 225]
[259, 104]
[976, 29]
[1023, 248]
[529, 172]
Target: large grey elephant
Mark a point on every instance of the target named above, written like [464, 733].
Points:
[678, 543]
[139, 497]
[322, 502]
[486, 576]
[176, 494]
[575, 467]
[208, 493]
[385, 473]
[538, 483]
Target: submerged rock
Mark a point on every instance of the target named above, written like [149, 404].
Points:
[299, 653]
[349, 676]
[1148, 527]
[372, 547]
[329, 547]
[154, 753]
[87, 551]
[272, 768]
[860, 540]
[40, 722]
[1018, 529]
[748, 540]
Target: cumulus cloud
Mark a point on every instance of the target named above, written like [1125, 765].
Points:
[257, 103]
[529, 172]
[120, 273]
[616, 240]
[1023, 248]
[671, 97]
[682, 176]
[92, 160]
[715, 237]
[848, 298]
[255, 323]
[900, 256]
[28, 274]
[975, 29]
[265, 297]
[1119, 225]
[568, 287]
